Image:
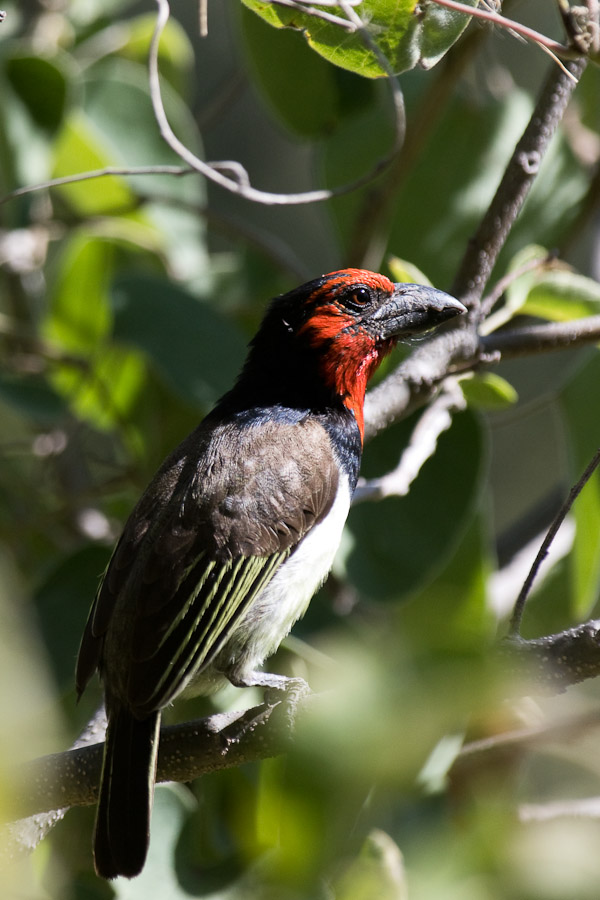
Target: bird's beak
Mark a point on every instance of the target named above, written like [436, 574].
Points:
[413, 309]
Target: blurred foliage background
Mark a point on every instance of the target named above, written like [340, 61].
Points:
[125, 306]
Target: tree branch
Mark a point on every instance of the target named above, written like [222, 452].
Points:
[485, 245]
[414, 381]
[543, 338]
[187, 751]
[555, 661]
[227, 740]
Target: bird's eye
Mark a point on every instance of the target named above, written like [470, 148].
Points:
[360, 297]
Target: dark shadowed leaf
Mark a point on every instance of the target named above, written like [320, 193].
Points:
[196, 350]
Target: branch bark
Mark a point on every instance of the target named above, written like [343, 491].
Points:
[227, 740]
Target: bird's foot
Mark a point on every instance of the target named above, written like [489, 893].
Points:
[278, 689]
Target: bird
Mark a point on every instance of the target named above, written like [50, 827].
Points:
[237, 529]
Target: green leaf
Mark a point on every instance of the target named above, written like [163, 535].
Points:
[197, 351]
[41, 86]
[378, 871]
[299, 84]
[488, 391]
[402, 270]
[102, 381]
[406, 33]
[79, 315]
[451, 613]
[562, 295]
[119, 105]
[81, 148]
[106, 392]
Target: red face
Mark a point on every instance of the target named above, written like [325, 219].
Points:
[340, 328]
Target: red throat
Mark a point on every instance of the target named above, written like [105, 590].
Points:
[348, 357]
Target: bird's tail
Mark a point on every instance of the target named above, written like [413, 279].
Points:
[122, 831]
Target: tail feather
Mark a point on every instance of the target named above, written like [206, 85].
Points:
[122, 831]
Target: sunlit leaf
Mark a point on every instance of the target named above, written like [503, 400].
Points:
[488, 391]
[562, 295]
[406, 33]
[403, 270]
[80, 315]
[80, 148]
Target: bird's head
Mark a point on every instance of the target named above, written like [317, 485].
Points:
[331, 333]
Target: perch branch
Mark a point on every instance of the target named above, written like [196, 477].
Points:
[187, 750]
[227, 740]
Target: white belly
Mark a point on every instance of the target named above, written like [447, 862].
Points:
[286, 597]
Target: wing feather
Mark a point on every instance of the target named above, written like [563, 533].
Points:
[219, 518]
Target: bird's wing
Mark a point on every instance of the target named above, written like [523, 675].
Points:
[219, 519]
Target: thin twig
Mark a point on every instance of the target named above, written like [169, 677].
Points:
[530, 34]
[517, 616]
[239, 186]
[203, 18]
[490, 300]
[98, 173]
[583, 807]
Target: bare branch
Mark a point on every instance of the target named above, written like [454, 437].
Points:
[556, 661]
[188, 750]
[543, 338]
[436, 419]
[529, 738]
[414, 381]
